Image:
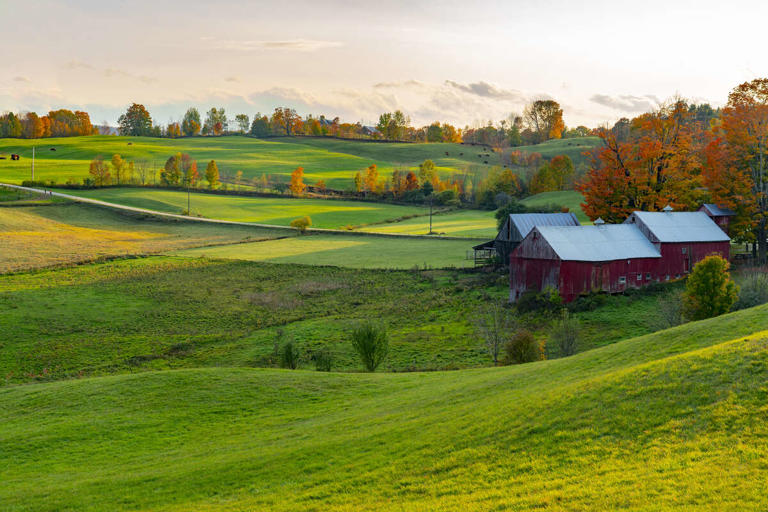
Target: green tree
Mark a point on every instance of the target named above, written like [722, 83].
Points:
[709, 290]
[212, 174]
[136, 121]
[434, 133]
[302, 223]
[242, 122]
[371, 343]
[118, 164]
[171, 172]
[190, 125]
[260, 126]
[215, 122]
[393, 125]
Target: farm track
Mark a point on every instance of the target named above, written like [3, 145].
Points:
[178, 217]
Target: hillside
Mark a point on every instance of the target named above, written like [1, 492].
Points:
[332, 160]
[669, 421]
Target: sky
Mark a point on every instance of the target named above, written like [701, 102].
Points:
[460, 62]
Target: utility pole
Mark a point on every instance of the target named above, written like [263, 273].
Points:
[430, 212]
[33, 163]
[187, 177]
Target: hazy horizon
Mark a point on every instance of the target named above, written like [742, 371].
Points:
[444, 61]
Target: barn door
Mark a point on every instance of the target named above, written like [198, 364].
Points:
[686, 259]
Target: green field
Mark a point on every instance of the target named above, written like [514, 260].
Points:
[331, 160]
[329, 214]
[568, 198]
[670, 421]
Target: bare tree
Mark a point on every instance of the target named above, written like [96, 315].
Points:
[142, 170]
[496, 326]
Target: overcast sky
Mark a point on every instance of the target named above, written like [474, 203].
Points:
[461, 62]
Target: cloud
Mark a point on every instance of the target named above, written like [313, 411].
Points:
[486, 90]
[232, 79]
[111, 72]
[77, 64]
[299, 45]
[627, 102]
[22, 79]
[407, 84]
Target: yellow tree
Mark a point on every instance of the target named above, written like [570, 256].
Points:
[212, 174]
[371, 178]
[118, 164]
[297, 182]
[100, 172]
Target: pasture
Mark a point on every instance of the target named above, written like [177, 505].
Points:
[333, 161]
[676, 417]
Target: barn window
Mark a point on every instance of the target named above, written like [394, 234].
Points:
[685, 250]
[648, 276]
[667, 277]
[622, 279]
[639, 276]
[677, 276]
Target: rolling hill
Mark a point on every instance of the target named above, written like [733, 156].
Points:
[669, 421]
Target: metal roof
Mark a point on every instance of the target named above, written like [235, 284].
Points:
[717, 211]
[525, 222]
[680, 226]
[607, 242]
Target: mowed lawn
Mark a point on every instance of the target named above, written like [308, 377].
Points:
[63, 233]
[352, 251]
[329, 214]
[670, 421]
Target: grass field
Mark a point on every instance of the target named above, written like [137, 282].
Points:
[330, 214]
[334, 161]
[670, 421]
[64, 233]
[569, 198]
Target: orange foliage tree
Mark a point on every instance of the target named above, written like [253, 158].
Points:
[661, 164]
[738, 162]
[297, 182]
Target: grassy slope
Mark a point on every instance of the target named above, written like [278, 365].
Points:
[331, 160]
[352, 251]
[569, 198]
[669, 421]
[32, 237]
[266, 210]
[160, 312]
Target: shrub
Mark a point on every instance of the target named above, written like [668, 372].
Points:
[547, 301]
[709, 291]
[670, 309]
[371, 343]
[565, 334]
[323, 360]
[523, 348]
[754, 289]
[496, 327]
[302, 223]
[289, 356]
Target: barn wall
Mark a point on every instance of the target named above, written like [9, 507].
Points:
[581, 277]
[677, 259]
[532, 274]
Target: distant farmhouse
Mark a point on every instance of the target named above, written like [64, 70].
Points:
[649, 247]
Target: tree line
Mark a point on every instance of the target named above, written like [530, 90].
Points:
[684, 155]
[57, 123]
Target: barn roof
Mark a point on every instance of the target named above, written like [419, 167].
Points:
[680, 226]
[717, 211]
[605, 242]
[525, 222]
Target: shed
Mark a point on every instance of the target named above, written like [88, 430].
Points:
[517, 226]
[719, 215]
[682, 238]
[577, 260]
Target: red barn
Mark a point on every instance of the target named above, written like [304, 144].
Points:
[682, 238]
[580, 259]
[721, 216]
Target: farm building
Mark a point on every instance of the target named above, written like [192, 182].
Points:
[683, 238]
[721, 216]
[579, 259]
[648, 247]
[517, 226]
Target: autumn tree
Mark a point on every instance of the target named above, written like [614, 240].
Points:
[554, 175]
[411, 181]
[545, 119]
[358, 182]
[212, 174]
[215, 122]
[661, 165]
[99, 170]
[173, 130]
[737, 170]
[118, 164]
[171, 172]
[283, 120]
[31, 126]
[371, 179]
[190, 125]
[10, 125]
[189, 170]
[393, 125]
[136, 121]
[297, 182]
[242, 122]
[428, 173]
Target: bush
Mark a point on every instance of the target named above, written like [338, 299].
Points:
[323, 360]
[512, 206]
[523, 348]
[446, 198]
[709, 290]
[754, 289]
[371, 343]
[670, 308]
[495, 327]
[565, 334]
[588, 302]
[289, 356]
[302, 223]
[547, 301]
